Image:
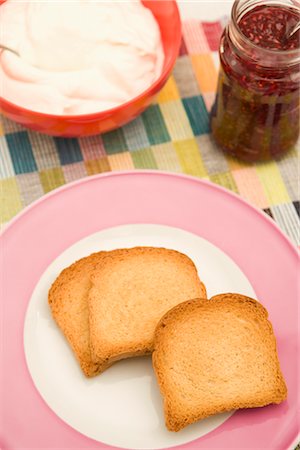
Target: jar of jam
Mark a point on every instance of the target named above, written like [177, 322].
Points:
[255, 116]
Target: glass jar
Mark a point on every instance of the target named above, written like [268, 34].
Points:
[255, 116]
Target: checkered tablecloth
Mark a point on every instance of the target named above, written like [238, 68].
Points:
[172, 134]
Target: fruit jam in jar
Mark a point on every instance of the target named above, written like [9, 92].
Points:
[255, 116]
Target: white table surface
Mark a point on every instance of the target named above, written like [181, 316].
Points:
[204, 9]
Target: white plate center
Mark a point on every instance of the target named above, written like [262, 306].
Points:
[121, 407]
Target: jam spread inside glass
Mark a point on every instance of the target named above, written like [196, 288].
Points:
[256, 111]
[270, 27]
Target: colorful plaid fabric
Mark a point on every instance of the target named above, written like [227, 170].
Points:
[172, 134]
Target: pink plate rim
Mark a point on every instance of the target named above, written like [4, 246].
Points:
[268, 252]
[118, 173]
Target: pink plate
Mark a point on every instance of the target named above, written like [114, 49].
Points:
[49, 226]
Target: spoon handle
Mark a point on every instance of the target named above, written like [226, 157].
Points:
[294, 30]
[3, 47]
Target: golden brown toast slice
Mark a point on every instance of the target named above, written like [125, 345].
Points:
[216, 355]
[68, 302]
[131, 290]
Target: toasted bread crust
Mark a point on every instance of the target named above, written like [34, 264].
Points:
[132, 288]
[67, 299]
[216, 367]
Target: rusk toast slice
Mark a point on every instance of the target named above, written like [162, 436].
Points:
[68, 302]
[131, 290]
[216, 355]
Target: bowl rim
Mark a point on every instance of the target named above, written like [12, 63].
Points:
[108, 112]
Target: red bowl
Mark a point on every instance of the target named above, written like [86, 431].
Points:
[168, 18]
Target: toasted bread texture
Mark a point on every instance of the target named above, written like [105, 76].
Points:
[68, 302]
[217, 355]
[131, 290]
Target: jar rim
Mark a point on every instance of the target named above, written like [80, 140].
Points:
[294, 53]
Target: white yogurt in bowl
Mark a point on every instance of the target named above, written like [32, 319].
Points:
[77, 57]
